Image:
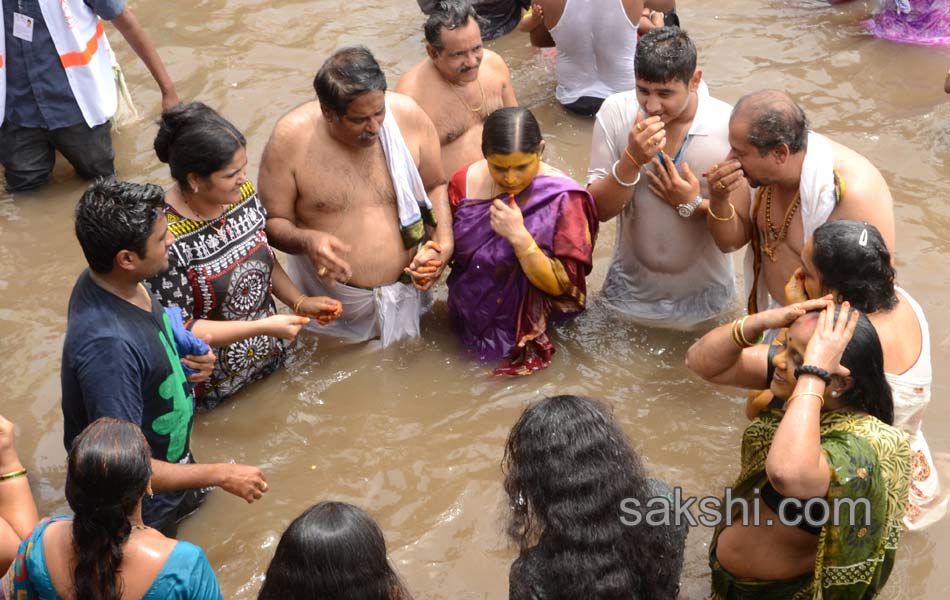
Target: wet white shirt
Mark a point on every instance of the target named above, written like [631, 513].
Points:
[665, 270]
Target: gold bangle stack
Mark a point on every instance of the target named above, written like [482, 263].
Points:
[299, 300]
[13, 475]
[738, 334]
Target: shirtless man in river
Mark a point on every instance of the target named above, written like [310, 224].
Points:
[804, 180]
[344, 180]
[459, 84]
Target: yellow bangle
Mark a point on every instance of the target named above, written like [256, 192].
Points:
[729, 218]
[531, 250]
[13, 475]
[296, 306]
[812, 394]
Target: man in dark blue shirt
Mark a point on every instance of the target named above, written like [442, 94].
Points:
[41, 111]
[120, 358]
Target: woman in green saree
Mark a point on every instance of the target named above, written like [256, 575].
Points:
[824, 474]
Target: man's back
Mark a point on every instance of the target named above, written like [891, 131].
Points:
[596, 43]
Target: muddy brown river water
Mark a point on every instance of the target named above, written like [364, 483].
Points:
[415, 433]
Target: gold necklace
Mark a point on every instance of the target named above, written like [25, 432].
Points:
[462, 100]
[777, 236]
[208, 222]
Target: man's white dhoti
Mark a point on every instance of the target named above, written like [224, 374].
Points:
[390, 312]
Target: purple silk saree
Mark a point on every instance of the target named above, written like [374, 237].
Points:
[496, 311]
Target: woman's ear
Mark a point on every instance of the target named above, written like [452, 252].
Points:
[193, 181]
[540, 148]
[840, 384]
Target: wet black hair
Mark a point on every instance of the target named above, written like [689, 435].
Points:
[774, 119]
[333, 551]
[108, 470]
[568, 468]
[860, 274]
[511, 129]
[450, 14]
[347, 74]
[870, 392]
[664, 54]
[116, 215]
[194, 138]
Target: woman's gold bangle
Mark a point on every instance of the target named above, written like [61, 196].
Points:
[718, 218]
[13, 475]
[299, 300]
[812, 394]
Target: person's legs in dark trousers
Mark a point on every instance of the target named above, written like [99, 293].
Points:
[168, 524]
[585, 106]
[89, 151]
[27, 157]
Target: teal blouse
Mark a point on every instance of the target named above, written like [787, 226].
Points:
[186, 574]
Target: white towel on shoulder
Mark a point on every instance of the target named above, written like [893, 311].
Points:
[817, 184]
[411, 197]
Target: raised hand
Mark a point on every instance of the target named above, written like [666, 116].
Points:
[795, 288]
[784, 316]
[646, 138]
[830, 339]
[723, 179]
[668, 184]
[507, 220]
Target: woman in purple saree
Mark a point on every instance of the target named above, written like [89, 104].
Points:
[524, 238]
[921, 22]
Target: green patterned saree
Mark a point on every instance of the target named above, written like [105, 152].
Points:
[868, 459]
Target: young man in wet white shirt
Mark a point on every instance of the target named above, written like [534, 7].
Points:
[650, 147]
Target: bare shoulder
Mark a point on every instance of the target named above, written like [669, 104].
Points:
[859, 174]
[296, 126]
[407, 112]
[494, 61]
[411, 80]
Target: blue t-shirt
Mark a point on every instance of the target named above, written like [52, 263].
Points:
[120, 361]
[38, 93]
[186, 574]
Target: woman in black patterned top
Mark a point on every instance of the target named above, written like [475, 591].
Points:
[222, 271]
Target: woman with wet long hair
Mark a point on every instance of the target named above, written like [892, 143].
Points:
[105, 552]
[524, 241]
[823, 472]
[333, 551]
[569, 470]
